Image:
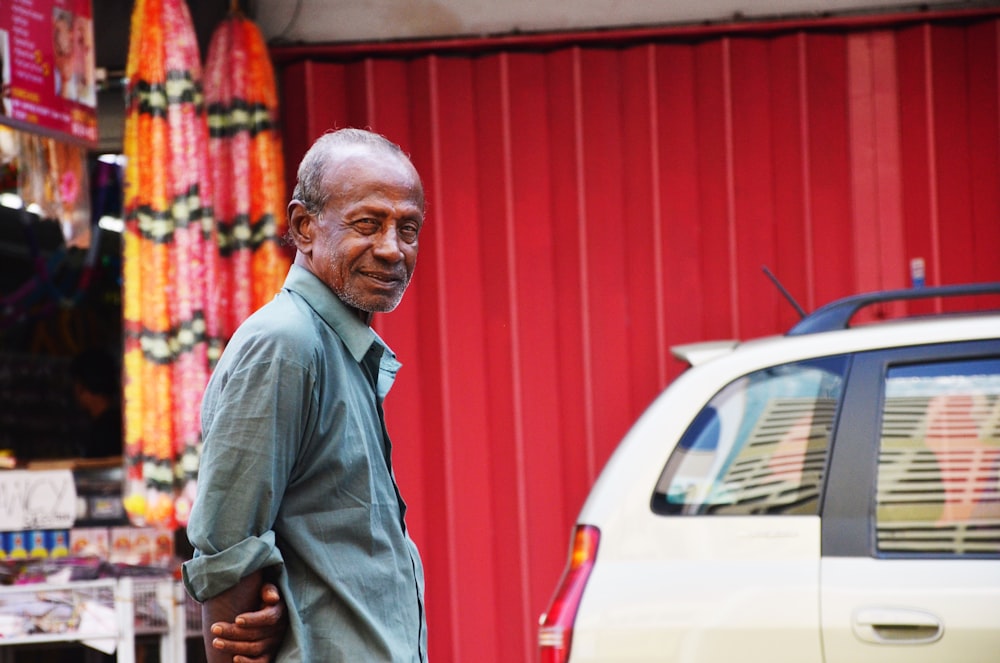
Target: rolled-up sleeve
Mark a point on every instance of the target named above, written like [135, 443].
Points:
[207, 575]
[253, 413]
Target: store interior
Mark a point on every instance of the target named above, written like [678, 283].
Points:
[61, 347]
[60, 298]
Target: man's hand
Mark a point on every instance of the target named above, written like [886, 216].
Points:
[255, 636]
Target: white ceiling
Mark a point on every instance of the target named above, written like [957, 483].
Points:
[328, 21]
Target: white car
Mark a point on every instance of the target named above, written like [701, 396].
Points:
[827, 496]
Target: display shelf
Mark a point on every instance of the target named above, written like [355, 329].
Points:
[105, 611]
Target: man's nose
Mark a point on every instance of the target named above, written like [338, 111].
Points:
[387, 245]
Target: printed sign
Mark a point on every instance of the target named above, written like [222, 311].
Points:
[47, 66]
[37, 499]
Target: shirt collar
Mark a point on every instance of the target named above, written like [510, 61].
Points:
[356, 335]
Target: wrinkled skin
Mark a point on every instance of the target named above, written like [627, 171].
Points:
[363, 244]
[255, 636]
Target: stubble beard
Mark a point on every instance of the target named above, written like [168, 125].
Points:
[369, 304]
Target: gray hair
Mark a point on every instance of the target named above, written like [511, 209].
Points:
[309, 188]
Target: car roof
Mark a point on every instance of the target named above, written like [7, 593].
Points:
[832, 325]
[838, 314]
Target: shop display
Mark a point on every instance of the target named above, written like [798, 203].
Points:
[58, 611]
[100, 605]
[202, 195]
[31, 389]
[53, 181]
[99, 585]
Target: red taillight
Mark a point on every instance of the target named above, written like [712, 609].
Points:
[555, 630]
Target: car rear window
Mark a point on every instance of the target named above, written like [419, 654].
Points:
[939, 459]
[759, 445]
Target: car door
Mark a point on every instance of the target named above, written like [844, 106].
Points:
[911, 521]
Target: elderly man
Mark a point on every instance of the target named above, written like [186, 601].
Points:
[296, 483]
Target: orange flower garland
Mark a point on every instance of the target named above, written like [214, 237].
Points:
[169, 256]
[181, 300]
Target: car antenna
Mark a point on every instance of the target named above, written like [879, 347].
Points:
[783, 291]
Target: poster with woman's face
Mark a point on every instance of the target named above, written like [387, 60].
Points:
[49, 68]
[73, 56]
[83, 59]
[62, 52]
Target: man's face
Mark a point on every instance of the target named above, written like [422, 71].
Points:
[364, 242]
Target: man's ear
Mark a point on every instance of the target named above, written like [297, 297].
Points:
[300, 225]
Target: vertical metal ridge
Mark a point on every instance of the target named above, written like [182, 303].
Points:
[805, 137]
[520, 461]
[861, 141]
[579, 154]
[310, 75]
[371, 99]
[932, 163]
[731, 243]
[445, 368]
[659, 303]
[888, 176]
[875, 156]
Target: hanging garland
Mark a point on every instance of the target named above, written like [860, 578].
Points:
[187, 282]
[247, 168]
[168, 258]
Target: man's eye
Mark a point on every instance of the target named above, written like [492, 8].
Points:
[409, 233]
[366, 226]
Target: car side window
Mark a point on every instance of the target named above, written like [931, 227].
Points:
[939, 459]
[759, 445]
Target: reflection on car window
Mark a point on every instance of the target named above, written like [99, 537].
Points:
[759, 446]
[939, 459]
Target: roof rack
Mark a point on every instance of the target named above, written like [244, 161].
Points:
[838, 314]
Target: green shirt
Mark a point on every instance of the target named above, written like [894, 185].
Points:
[296, 472]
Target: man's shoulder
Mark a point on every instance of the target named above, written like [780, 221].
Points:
[285, 325]
[286, 328]
[287, 313]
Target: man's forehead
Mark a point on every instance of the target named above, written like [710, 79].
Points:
[352, 150]
[347, 167]
[374, 157]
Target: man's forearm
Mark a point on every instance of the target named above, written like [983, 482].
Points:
[243, 597]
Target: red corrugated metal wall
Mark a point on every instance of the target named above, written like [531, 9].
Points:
[594, 200]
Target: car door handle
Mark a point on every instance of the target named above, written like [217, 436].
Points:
[896, 626]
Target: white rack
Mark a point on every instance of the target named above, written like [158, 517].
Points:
[141, 606]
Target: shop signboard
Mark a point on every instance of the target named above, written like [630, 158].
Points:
[37, 500]
[47, 63]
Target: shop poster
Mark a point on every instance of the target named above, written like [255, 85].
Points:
[47, 63]
[37, 499]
